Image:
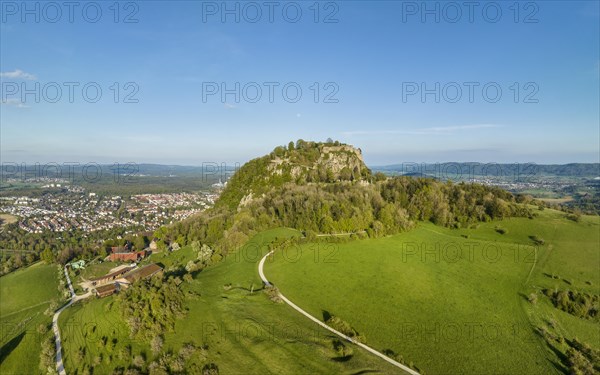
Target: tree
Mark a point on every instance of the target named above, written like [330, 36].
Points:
[380, 176]
[138, 361]
[345, 174]
[156, 344]
[191, 266]
[291, 146]
[205, 253]
[196, 246]
[47, 256]
[378, 228]
[140, 242]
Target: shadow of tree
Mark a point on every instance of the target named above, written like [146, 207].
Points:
[10, 346]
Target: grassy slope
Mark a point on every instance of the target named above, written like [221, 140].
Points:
[245, 332]
[465, 316]
[87, 322]
[84, 325]
[24, 295]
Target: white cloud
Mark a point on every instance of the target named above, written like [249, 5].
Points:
[229, 106]
[438, 130]
[18, 74]
[14, 102]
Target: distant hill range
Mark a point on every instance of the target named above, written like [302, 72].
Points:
[474, 169]
[299, 162]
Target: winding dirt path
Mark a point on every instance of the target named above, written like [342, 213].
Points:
[347, 338]
[74, 298]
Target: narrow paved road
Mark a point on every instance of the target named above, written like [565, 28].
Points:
[350, 339]
[74, 298]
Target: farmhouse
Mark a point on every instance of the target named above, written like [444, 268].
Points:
[110, 277]
[143, 273]
[119, 254]
[112, 283]
[106, 290]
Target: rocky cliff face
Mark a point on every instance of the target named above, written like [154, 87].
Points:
[300, 163]
[331, 159]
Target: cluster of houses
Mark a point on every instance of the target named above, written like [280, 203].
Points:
[125, 275]
[58, 211]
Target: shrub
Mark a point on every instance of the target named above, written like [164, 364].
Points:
[582, 305]
[139, 361]
[273, 294]
[537, 240]
[532, 298]
[156, 344]
[345, 328]
[210, 369]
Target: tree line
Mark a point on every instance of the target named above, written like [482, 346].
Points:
[380, 207]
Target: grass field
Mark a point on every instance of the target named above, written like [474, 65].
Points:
[169, 258]
[7, 219]
[444, 301]
[95, 328]
[244, 331]
[24, 295]
[452, 301]
[95, 269]
[558, 200]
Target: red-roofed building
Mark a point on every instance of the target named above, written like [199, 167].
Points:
[127, 255]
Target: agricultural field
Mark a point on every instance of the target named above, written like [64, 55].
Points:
[454, 301]
[7, 219]
[229, 314]
[25, 295]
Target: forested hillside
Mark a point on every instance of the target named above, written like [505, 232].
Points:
[326, 188]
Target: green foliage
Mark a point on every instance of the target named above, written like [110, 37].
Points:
[273, 294]
[151, 307]
[532, 298]
[344, 327]
[305, 162]
[379, 209]
[47, 355]
[582, 305]
[537, 240]
[582, 359]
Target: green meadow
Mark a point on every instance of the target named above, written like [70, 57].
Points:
[440, 300]
[229, 314]
[24, 295]
[93, 270]
[453, 301]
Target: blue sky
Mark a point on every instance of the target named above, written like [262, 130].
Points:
[371, 57]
